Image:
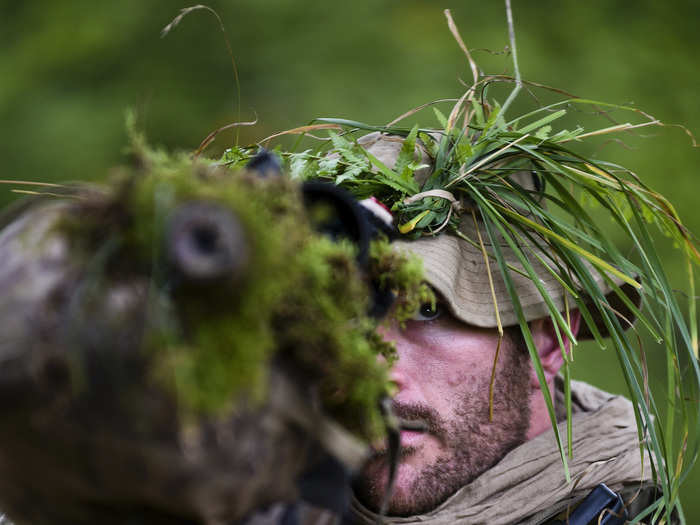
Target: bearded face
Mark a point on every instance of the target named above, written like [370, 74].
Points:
[443, 374]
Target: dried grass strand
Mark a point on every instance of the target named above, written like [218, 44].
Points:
[299, 131]
[455, 33]
[33, 183]
[417, 109]
[176, 21]
[492, 381]
[212, 136]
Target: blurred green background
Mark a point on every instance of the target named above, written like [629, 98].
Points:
[69, 71]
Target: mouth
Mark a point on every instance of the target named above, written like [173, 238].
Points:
[411, 438]
[412, 431]
[413, 425]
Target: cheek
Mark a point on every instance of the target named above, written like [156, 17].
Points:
[465, 369]
[459, 378]
[447, 376]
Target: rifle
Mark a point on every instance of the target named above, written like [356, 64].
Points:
[189, 345]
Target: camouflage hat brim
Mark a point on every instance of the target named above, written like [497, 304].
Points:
[459, 273]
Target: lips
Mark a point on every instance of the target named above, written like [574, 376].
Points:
[412, 431]
[415, 422]
[411, 438]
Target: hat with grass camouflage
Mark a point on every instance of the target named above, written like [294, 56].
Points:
[459, 264]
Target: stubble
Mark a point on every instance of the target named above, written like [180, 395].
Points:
[471, 444]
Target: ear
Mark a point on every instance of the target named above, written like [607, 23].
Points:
[548, 348]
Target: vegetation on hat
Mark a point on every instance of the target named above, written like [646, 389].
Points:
[474, 149]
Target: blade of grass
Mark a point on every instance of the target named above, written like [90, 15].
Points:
[514, 52]
[488, 158]
[692, 311]
[32, 183]
[455, 33]
[496, 311]
[543, 121]
[187, 10]
[300, 130]
[415, 110]
[567, 385]
[502, 225]
[593, 259]
[534, 356]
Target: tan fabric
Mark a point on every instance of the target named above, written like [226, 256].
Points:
[456, 269]
[528, 485]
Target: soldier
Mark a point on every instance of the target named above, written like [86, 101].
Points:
[466, 467]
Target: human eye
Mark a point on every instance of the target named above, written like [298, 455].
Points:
[429, 312]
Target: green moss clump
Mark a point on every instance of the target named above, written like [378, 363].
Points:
[301, 300]
[403, 274]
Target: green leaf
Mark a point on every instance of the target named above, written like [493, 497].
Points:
[405, 160]
[543, 121]
[410, 225]
[478, 114]
[442, 119]
[391, 178]
[298, 163]
[328, 166]
[543, 132]
[350, 174]
[495, 122]
[429, 143]
[565, 135]
[349, 151]
[463, 151]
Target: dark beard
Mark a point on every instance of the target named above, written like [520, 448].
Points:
[471, 443]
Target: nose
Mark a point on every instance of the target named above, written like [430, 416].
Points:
[397, 373]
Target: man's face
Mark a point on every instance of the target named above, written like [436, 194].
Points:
[443, 374]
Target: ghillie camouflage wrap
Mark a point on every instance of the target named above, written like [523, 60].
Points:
[182, 344]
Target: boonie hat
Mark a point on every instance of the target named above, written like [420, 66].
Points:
[457, 269]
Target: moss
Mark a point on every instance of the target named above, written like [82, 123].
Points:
[402, 274]
[302, 298]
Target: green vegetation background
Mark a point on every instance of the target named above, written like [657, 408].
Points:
[69, 70]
